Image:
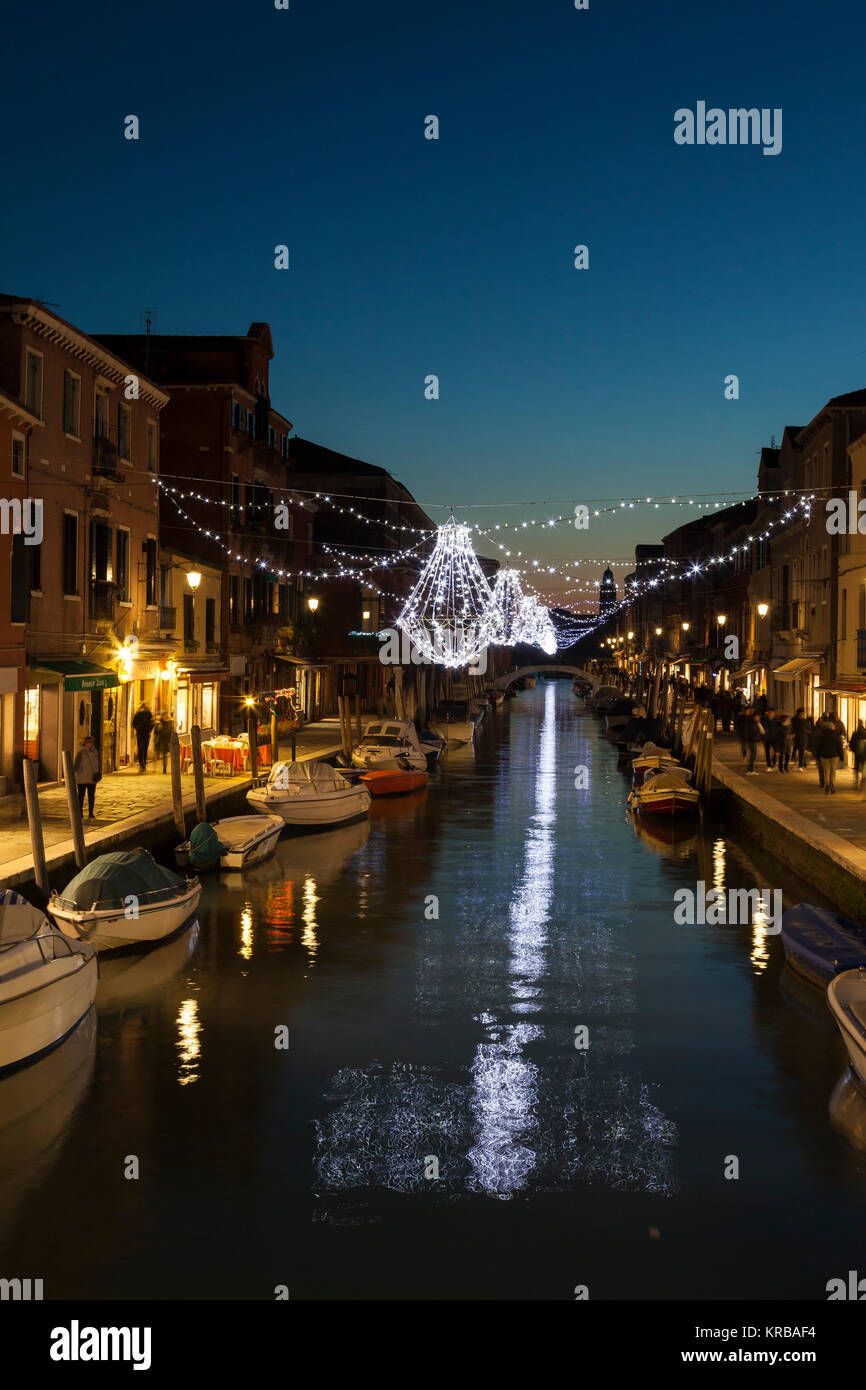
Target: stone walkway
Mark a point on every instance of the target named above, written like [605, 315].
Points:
[125, 802]
[844, 813]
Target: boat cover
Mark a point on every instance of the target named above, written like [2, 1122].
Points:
[205, 847]
[306, 778]
[825, 943]
[112, 878]
[666, 780]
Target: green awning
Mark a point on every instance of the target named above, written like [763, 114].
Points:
[78, 674]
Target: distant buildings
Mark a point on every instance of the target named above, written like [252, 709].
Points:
[768, 595]
[607, 594]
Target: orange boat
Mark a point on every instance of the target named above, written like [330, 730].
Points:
[392, 782]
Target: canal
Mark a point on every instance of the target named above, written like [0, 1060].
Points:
[432, 967]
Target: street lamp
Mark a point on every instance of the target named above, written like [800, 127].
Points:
[658, 632]
[312, 604]
[722, 619]
[686, 627]
[193, 579]
[630, 636]
[763, 610]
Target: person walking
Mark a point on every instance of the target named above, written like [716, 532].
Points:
[769, 739]
[742, 723]
[162, 738]
[813, 745]
[754, 733]
[858, 748]
[800, 730]
[87, 773]
[828, 750]
[782, 742]
[142, 723]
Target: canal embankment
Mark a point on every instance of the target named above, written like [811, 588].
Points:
[821, 838]
[134, 810]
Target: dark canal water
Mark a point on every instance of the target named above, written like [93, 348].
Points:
[452, 1040]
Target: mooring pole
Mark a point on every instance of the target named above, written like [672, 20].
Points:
[74, 810]
[34, 820]
[177, 786]
[198, 774]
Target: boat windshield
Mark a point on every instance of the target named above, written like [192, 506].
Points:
[380, 740]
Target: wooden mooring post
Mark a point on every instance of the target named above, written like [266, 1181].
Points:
[253, 737]
[198, 774]
[177, 786]
[34, 821]
[74, 809]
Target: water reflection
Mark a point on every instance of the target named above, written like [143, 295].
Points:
[309, 938]
[38, 1105]
[188, 1043]
[246, 947]
[126, 979]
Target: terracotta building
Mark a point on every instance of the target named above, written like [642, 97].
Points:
[226, 501]
[87, 425]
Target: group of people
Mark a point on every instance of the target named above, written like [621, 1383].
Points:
[785, 737]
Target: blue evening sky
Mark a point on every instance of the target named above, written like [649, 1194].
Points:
[455, 257]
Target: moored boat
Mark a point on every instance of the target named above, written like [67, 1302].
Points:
[455, 722]
[820, 944]
[247, 840]
[202, 851]
[124, 899]
[665, 791]
[47, 983]
[309, 796]
[390, 744]
[393, 783]
[846, 996]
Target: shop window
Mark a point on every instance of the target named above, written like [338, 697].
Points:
[182, 710]
[207, 707]
[31, 722]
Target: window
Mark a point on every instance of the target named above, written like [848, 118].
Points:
[248, 599]
[150, 572]
[100, 415]
[31, 722]
[101, 567]
[272, 436]
[71, 403]
[236, 415]
[124, 432]
[207, 707]
[70, 553]
[236, 500]
[18, 456]
[189, 617]
[33, 383]
[251, 424]
[19, 589]
[284, 603]
[35, 569]
[234, 600]
[122, 569]
[152, 446]
[209, 620]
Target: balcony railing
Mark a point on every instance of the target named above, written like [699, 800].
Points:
[105, 458]
[102, 600]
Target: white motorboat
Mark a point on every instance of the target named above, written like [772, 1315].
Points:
[125, 899]
[247, 840]
[665, 791]
[390, 745]
[846, 995]
[309, 796]
[47, 984]
[455, 722]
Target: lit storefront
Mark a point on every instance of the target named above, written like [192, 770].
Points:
[66, 700]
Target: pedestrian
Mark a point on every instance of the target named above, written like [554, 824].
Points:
[769, 723]
[754, 733]
[829, 750]
[742, 722]
[801, 727]
[162, 738]
[813, 745]
[761, 705]
[858, 748]
[142, 723]
[782, 742]
[87, 773]
[726, 710]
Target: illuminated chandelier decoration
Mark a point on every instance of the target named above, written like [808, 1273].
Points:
[534, 626]
[450, 615]
[508, 596]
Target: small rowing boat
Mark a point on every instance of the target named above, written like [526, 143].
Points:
[393, 783]
[846, 996]
[820, 944]
[665, 791]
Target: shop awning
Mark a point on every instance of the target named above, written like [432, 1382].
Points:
[197, 673]
[845, 685]
[790, 670]
[76, 673]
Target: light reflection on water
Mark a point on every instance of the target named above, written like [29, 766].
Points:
[453, 1038]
